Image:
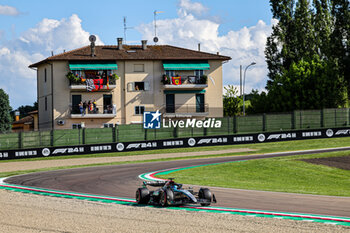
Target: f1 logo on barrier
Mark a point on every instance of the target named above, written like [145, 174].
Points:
[151, 120]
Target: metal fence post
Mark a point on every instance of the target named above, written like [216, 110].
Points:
[228, 125]
[145, 135]
[264, 122]
[234, 124]
[322, 118]
[175, 132]
[114, 139]
[117, 131]
[40, 140]
[335, 117]
[293, 119]
[52, 141]
[205, 131]
[20, 140]
[83, 136]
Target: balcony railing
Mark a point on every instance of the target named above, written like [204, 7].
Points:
[93, 85]
[97, 111]
[185, 82]
[185, 110]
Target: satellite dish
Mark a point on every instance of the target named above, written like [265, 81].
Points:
[155, 39]
[92, 38]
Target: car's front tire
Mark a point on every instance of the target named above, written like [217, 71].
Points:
[142, 196]
[204, 193]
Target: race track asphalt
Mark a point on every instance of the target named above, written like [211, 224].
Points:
[122, 181]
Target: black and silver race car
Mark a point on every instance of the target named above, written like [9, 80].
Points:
[172, 194]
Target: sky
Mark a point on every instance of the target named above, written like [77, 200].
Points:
[30, 30]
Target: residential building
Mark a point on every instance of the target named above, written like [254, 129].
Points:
[27, 123]
[123, 81]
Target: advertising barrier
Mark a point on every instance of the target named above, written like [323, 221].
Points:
[175, 143]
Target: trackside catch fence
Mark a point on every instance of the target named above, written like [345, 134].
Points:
[296, 120]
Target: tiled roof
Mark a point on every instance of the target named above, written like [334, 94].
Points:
[24, 120]
[133, 52]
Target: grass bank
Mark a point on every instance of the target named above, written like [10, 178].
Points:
[283, 174]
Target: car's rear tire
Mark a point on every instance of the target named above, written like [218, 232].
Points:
[166, 198]
[142, 196]
[204, 193]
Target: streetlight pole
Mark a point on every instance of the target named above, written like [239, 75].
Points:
[251, 64]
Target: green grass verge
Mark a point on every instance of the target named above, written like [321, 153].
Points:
[283, 174]
[258, 147]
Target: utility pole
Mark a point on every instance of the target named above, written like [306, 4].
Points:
[240, 80]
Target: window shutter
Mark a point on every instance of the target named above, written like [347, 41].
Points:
[147, 86]
[131, 87]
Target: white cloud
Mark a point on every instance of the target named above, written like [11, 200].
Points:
[187, 7]
[32, 46]
[8, 10]
[243, 46]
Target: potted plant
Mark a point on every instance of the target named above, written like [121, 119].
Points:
[203, 79]
[113, 78]
[73, 79]
[165, 79]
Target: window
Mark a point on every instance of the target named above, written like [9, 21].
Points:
[45, 103]
[76, 126]
[138, 86]
[139, 67]
[199, 73]
[170, 73]
[139, 110]
[45, 75]
[108, 125]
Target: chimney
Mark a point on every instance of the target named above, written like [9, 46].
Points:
[199, 46]
[217, 53]
[144, 44]
[120, 43]
[17, 116]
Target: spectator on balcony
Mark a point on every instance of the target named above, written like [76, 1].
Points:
[85, 107]
[94, 106]
[89, 106]
[81, 108]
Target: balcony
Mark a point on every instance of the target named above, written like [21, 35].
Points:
[185, 83]
[99, 111]
[92, 80]
[93, 85]
[185, 110]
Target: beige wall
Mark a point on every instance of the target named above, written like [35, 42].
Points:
[44, 92]
[140, 98]
[213, 95]
[124, 100]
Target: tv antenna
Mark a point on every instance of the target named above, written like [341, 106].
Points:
[125, 28]
[155, 39]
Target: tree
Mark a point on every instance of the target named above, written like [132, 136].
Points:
[258, 102]
[340, 37]
[231, 101]
[306, 69]
[5, 118]
[25, 109]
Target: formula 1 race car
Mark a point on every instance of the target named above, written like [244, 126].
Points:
[172, 194]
